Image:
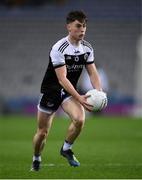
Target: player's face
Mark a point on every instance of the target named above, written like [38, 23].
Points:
[77, 30]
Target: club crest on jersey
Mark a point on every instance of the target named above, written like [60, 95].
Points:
[85, 56]
[76, 58]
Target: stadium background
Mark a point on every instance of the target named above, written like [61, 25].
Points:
[28, 29]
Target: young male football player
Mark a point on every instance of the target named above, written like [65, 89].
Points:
[66, 61]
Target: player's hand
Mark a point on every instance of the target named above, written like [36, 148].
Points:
[83, 100]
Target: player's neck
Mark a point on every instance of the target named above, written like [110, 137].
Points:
[73, 41]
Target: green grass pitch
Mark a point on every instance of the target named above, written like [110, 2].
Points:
[108, 147]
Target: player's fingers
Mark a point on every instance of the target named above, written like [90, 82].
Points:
[87, 96]
[88, 109]
[89, 105]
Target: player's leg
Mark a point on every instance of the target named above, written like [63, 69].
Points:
[44, 123]
[77, 114]
[48, 105]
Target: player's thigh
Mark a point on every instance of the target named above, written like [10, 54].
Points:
[74, 109]
[44, 120]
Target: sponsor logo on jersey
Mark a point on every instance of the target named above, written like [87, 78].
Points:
[74, 67]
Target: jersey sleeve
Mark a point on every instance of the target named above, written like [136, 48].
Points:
[57, 58]
[90, 58]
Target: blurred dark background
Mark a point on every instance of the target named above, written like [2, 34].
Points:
[28, 29]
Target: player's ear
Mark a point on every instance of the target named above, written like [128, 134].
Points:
[68, 27]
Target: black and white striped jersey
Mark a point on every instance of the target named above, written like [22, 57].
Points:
[74, 57]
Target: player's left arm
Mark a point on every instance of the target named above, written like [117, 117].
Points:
[94, 76]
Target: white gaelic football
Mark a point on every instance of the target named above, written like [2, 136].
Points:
[97, 99]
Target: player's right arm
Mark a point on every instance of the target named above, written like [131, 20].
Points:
[61, 73]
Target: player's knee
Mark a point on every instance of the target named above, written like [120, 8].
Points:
[79, 121]
[42, 133]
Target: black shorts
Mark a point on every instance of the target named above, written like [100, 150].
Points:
[50, 101]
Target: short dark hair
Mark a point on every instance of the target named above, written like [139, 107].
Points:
[76, 15]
